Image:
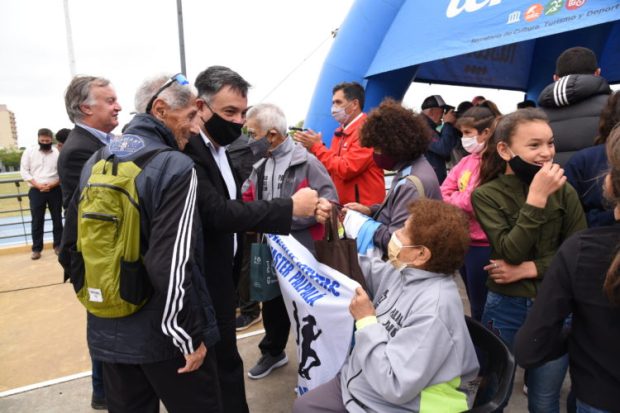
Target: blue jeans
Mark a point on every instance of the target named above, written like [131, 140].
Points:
[504, 315]
[475, 278]
[586, 408]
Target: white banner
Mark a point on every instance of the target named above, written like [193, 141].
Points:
[317, 299]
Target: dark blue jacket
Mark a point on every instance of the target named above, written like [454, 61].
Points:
[441, 147]
[179, 315]
[586, 172]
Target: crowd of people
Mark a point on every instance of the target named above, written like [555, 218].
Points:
[524, 205]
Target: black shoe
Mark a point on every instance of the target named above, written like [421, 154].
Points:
[266, 364]
[98, 404]
[35, 255]
[245, 321]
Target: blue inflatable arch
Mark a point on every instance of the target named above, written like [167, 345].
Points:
[385, 45]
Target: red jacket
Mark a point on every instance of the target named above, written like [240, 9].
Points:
[350, 165]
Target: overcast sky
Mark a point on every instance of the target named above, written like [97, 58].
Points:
[128, 41]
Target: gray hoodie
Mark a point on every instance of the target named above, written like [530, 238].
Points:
[420, 340]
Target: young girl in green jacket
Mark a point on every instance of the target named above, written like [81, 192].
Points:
[527, 210]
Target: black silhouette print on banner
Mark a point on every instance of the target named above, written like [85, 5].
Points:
[308, 336]
[296, 317]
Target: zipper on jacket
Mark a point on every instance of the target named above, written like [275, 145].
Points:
[353, 399]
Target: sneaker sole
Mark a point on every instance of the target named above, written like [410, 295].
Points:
[255, 321]
[280, 363]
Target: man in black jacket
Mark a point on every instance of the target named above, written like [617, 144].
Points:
[222, 104]
[92, 105]
[160, 351]
[574, 101]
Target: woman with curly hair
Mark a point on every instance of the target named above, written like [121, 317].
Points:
[399, 138]
[412, 348]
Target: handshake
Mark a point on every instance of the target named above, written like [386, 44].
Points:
[306, 203]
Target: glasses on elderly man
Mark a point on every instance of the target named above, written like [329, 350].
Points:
[179, 78]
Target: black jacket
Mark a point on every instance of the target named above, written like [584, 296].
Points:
[80, 145]
[573, 284]
[573, 105]
[179, 315]
[222, 217]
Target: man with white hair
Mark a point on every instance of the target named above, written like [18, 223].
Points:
[288, 167]
[93, 107]
[159, 352]
[91, 104]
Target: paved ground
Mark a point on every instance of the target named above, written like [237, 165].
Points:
[42, 337]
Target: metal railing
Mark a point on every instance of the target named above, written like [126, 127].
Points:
[15, 221]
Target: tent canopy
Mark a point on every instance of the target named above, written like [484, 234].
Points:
[482, 43]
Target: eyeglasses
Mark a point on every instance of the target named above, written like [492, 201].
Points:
[179, 78]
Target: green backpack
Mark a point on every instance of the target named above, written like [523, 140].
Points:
[114, 280]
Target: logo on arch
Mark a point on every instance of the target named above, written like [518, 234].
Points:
[533, 12]
[574, 4]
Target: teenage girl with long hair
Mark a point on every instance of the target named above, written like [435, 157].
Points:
[527, 211]
[583, 280]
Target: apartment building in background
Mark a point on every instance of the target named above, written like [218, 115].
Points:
[8, 129]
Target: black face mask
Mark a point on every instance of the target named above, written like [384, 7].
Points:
[45, 146]
[525, 171]
[222, 131]
[259, 147]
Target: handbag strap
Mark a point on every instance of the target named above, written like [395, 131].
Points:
[331, 230]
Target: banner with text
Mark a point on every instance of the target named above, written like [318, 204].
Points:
[317, 299]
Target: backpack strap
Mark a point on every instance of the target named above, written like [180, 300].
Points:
[418, 185]
[143, 159]
[411, 178]
[140, 160]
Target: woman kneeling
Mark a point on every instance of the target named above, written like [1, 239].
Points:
[412, 349]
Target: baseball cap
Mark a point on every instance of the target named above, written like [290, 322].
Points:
[434, 101]
[463, 107]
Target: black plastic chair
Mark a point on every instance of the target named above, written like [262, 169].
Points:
[497, 369]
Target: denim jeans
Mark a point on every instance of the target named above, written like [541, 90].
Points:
[475, 278]
[504, 315]
[586, 408]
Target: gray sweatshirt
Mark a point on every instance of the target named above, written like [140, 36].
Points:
[402, 193]
[420, 340]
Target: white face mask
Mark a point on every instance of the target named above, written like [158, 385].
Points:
[394, 249]
[340, 114]
[471, 144]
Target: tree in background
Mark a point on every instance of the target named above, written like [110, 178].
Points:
[10, 158]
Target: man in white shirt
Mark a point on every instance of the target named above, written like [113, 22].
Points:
[39, 170]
